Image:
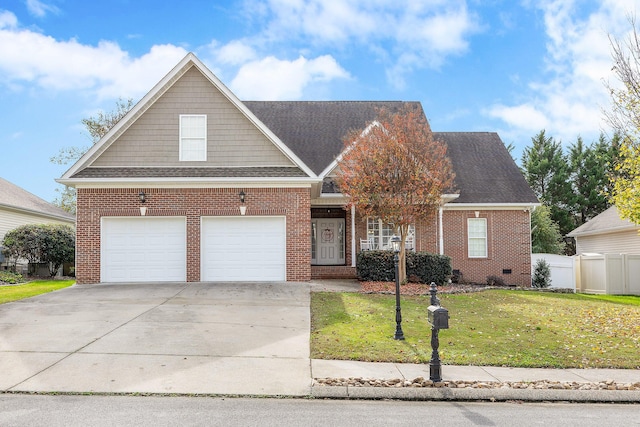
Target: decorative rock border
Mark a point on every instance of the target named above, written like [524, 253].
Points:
[420, 382]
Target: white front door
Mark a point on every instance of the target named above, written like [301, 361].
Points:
[328, 239]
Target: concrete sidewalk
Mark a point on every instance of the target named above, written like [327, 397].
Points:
[485, 374]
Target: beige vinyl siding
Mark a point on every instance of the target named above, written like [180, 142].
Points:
[153, 140]
[10, 219]
[624, 242]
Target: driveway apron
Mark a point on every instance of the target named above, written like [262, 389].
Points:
[193, 338]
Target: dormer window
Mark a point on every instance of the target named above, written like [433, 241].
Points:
[193, 137]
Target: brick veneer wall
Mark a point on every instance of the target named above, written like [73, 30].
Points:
[509, 244]
[192, 203]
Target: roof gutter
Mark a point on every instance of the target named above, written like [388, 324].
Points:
[69, 218]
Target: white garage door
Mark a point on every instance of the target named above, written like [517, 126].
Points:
[243, 249]
[143, 249]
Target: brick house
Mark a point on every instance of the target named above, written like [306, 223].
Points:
[195, 185]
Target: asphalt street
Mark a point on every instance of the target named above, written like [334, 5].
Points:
[156, 411]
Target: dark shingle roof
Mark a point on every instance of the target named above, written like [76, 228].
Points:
[313, 130]
[485, 171]
[16, 197]
[268, 172]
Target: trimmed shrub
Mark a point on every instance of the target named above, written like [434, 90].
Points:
[375, 266]
[429, 267]
[541, 274]
[495, 281]
[11, 277]
[422, 267]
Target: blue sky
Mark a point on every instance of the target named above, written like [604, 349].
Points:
[514, 67]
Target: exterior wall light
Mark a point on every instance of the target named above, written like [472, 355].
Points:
[143, 198]
[243, 208]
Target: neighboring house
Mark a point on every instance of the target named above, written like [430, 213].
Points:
[607, 233]
[195, 185]
[19, 207]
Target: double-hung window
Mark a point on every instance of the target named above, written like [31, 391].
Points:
[193, 137]
[379, 234]
[477, 235]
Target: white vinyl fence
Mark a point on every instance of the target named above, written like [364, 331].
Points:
[615, 274]
[562, 269]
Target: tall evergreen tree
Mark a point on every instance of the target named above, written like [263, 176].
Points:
[588, 179]
[546, 169]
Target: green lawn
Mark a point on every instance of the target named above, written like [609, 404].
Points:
[31, 289]
[496, 328]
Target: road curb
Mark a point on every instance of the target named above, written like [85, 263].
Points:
[467, 394]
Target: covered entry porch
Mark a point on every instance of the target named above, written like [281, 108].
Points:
[333, 243]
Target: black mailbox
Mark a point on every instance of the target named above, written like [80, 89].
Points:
[438, 317]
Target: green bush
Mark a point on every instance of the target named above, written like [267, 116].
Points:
[422, 267]
[10, 277]
[375, 266]
[541, 274]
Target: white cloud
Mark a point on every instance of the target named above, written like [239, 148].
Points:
[40, 9]
[8, 20]
[406, 34]
[523, 116]
[29, 57]
[236, 52]
[578, 61]
[274, 79]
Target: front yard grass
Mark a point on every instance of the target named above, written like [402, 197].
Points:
[31, 289]
[493, 328]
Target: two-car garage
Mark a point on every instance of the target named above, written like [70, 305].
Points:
[144, 249]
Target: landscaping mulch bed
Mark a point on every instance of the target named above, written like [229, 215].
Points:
[451, 288]
[420, 288]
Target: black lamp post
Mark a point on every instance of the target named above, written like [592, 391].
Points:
[395, 244]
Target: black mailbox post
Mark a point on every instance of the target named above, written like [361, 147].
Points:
[439, 319]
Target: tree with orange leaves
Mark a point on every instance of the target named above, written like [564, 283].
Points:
[395, 170]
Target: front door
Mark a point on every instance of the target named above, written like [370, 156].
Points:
[327, 241]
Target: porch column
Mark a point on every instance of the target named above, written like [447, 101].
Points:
[353, 236]
[440, 231]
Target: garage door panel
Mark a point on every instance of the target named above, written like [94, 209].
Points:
[143, 249]
[243, 249]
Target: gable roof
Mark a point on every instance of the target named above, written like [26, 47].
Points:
[187, 63]
[314, 129]
[310, 134]
[485, 171]
[608, 221]
[14, 197]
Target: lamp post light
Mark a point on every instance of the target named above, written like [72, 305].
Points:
[395, 244]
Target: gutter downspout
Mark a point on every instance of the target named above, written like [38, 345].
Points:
[440, 231]
[353, 236]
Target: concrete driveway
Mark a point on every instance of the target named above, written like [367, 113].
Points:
[200, 338]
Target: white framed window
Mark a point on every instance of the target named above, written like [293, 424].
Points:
[477, 235]
[379, 234]
[193, 137]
